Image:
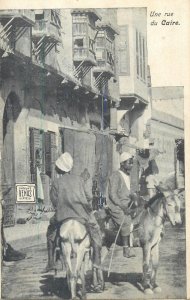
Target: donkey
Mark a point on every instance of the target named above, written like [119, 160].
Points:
[147, 230]
[75, 242]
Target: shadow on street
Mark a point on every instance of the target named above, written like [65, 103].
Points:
[54, 286]
[51, 286]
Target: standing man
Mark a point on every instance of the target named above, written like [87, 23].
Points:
[71, 201]
[119, 200]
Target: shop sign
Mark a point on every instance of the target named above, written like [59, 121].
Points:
[25, 193]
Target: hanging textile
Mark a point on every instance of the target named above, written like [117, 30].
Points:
[81, 146]
[135, 176]
[40, 191]
[68, 141]
[104, 149]
[84, 153]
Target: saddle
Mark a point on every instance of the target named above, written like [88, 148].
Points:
[110, 228]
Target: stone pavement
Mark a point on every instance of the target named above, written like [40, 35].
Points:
[23, 280]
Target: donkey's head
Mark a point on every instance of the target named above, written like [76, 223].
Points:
[172, 207]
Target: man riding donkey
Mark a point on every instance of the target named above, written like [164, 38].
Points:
[72, 200]
[120, 200]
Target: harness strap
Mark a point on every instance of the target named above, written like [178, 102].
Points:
[84, 237]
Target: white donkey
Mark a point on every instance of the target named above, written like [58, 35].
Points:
[75, 241]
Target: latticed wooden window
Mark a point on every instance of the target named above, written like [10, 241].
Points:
[100, 54]
[100, 41]
[79, 28]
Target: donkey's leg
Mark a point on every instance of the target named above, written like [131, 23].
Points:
[97, 264]
[146, 269]
[155, 261]
[79, 268]
[80, 254]
[82, 275]
[71, 279]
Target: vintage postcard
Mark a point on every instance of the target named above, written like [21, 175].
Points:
[94, 127]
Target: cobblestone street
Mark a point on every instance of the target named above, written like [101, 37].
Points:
[24, 280]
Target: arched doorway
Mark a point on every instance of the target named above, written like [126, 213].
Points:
[12, 110]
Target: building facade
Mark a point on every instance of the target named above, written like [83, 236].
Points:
[58, 84]
[133, 74]
[167, 130]
[73, 80]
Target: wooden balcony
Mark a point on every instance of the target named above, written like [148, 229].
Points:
[47, 30]
[19, 17]
[81, 54]
[104, 68]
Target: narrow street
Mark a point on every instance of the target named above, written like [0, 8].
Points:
[26, 279]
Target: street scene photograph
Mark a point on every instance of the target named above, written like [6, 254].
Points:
[92, 153]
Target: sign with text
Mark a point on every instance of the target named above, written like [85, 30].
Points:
[25, 193]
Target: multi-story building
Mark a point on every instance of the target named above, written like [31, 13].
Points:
[167, 130]
[73, 81]
[58, 84]
[133, 74]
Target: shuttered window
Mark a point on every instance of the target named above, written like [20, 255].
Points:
[50, 153]
[143, 58]
[79, 28]
[140, 56]
[100, 54]
[137, 54]
[100, 41]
